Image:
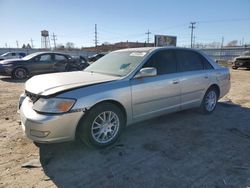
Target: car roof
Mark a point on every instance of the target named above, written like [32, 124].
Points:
[46, 52]
[150, 49]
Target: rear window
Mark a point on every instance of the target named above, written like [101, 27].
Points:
[189, 61]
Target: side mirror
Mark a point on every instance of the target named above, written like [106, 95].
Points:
[146, 72]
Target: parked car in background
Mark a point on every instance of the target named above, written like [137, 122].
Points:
[12, 55]
[39, 63]
[242, 61]
[95, 57]
[123, 87]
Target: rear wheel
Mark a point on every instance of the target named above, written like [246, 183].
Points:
[19, 73]
[102, 125]
[209, 101]
[234, 67]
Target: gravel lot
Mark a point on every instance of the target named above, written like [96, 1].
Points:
[184, 149]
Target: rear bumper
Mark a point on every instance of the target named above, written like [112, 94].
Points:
[224, 89]
[47, 128]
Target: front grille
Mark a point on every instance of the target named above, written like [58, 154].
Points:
[33, 97]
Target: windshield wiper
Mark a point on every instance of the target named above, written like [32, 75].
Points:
[105, 73]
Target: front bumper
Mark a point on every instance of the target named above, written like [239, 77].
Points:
[47, 128]
[2, 70]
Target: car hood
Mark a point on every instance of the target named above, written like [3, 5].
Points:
[49, 84]
[10, 61]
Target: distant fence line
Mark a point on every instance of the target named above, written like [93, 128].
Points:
[30, 51]
[215, 53]
[225, 53]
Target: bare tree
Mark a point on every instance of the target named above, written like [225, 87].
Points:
[70, 45]
[232, 43]
[60, 47]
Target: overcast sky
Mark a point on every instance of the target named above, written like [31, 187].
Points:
[122, 20]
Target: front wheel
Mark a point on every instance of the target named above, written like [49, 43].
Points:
[19, 73]
[102, 125]
[209, 101]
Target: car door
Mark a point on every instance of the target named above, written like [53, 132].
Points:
[152, 96]
[195, 78]
[41, 64]
[60, 62]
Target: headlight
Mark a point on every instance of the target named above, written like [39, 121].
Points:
[54, 105]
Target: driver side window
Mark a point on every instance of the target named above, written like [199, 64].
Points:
[43, 58]
[164, 61]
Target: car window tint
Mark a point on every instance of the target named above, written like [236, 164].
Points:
[60, 57]
[163, 61]
[189, 60]
[22, 54]
[207, 65]
[45, 58]
[13, 54]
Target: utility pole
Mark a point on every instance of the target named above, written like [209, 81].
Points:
[221, 46]
[194, 41]
[54, 40]
[222, 41]
[192, 27]
[96, 38]
[148, 33]
[17, 44]
[6, 45]
[31, 41]
[96, 41]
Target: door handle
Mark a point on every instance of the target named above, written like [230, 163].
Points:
[206, 77]
[175, 82]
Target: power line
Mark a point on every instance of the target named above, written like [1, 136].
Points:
[148, 33]
[192, 27]
[54, 40]
[225, 20]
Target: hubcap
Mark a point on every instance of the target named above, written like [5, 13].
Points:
[105, 127]
[210, 101]
[19, 73]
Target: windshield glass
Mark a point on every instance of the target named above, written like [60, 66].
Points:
[119, 63]
[28, 57]
[5, 54]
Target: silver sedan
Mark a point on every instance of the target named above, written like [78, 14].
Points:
[122, 88]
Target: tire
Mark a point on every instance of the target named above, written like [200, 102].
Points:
[234, 67]
[209, 101]
[102, 125]
[19, 73]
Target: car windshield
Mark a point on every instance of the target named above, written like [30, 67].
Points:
[5, 54]
[119, 63]
[28, 57]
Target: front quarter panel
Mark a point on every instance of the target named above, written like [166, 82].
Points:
[118, 91]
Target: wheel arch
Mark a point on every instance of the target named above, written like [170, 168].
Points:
[22, 67]
[112, 101]
[216, 87]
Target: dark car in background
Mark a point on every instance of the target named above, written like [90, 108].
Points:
[242, 61]
[12, 55]
[95, 57]
[39, 63]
